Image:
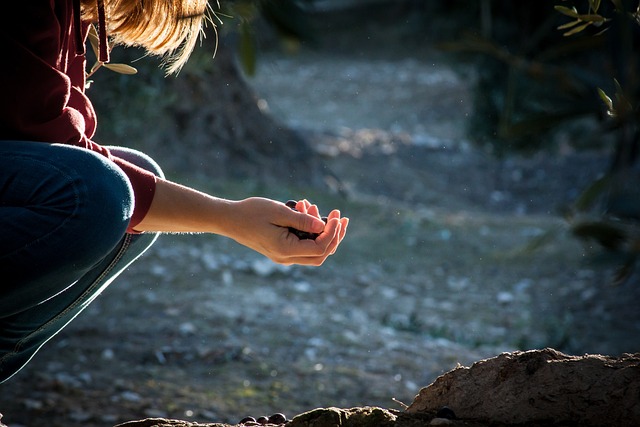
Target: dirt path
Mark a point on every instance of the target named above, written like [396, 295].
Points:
[432, 275]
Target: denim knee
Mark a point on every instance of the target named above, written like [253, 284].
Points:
[105, 198]
[57, 203]
[94, 198]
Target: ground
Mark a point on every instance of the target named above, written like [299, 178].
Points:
[436, 270]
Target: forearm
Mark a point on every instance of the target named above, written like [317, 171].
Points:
[179, 209]
[258, 223]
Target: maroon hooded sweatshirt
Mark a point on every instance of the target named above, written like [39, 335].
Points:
[42, 81]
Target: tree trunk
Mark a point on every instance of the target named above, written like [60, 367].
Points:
[205, 122]
[218, 116]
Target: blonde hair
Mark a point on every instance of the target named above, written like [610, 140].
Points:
[169, 28]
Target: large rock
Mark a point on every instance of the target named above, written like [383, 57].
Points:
[532, 388]
[541, 387]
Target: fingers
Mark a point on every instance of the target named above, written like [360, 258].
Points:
[330, 232]
[303, 205]
[342, 229]
[265, 226]
[308, 223]
[326, 243]
[308, 251]
[333, 246]
[344, 223]
[306, 207]
[313, 210]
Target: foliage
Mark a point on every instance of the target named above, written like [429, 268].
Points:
[616, 228]
[242, 18]
[95, 46]
[538, 72]
[622, 109]
[581, 21]
[530, 79]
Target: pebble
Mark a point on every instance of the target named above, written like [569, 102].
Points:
[130, 396]
[277, 418]
[31, 404]
[187, 328]
[107, 354]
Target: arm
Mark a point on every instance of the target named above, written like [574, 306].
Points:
[258, 223]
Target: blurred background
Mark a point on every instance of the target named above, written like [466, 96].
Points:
[486, 153]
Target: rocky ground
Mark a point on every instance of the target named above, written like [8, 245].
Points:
[436, 271]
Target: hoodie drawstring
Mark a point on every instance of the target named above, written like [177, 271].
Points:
[77, 26]
[103, 46]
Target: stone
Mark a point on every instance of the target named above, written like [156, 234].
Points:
[540, 386]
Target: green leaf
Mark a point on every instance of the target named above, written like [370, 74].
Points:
[624, 271]
[121, 68]
[618, 86]
[606, 99]
[95, 66]
[588, 197]
[623, 105]
[576, 29]
[569, 24]
[566, 11]
[94, 40]
[592, 18]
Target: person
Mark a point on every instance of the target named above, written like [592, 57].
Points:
[73, 213]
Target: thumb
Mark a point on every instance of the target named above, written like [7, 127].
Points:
[306, 222]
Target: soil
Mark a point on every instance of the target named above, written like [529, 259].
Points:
[437, 270]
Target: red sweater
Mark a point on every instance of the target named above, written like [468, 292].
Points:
[42, 83]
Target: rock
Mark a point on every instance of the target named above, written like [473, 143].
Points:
[162, 422]
[541, 387]
[524, 388]
[333, 417]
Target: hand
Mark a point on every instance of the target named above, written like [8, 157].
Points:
[263, 225]
[258, 223]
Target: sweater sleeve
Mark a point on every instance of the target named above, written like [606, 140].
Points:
[143, 183]
[43, 95]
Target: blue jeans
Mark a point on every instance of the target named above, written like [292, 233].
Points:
[64, 212]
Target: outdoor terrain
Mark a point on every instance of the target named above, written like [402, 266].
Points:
[434, 272]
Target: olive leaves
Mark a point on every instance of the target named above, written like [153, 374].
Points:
[582, 21]
[621, 108]
[617, 234]
[95, 45]
[618, 106]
